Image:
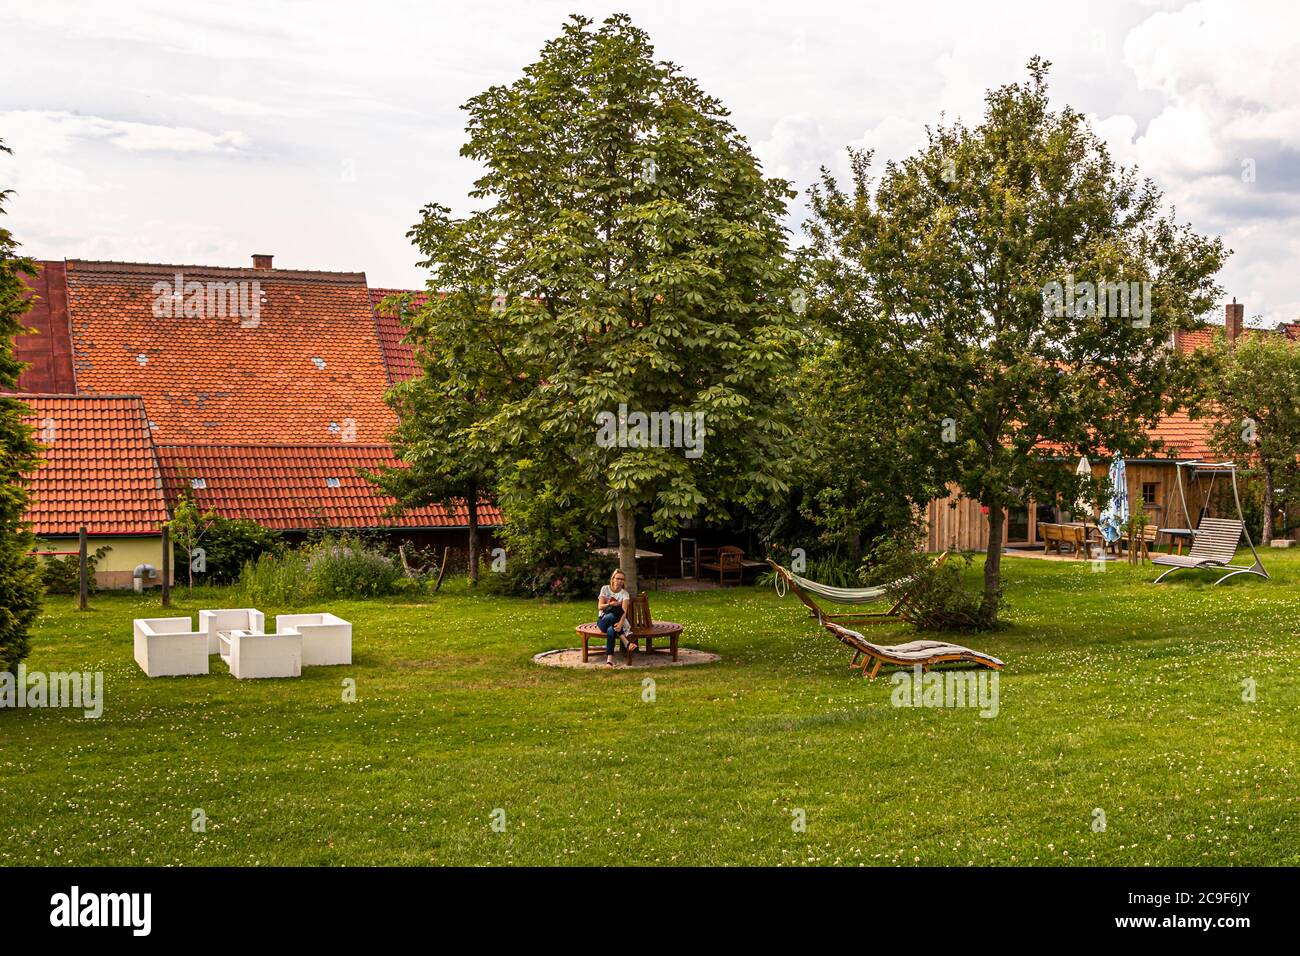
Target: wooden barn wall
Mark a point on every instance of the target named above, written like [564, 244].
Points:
[957, 522]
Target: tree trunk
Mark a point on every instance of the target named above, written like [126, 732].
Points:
[471, 504]
[627, 547]
[993, 564]
[1266, 535]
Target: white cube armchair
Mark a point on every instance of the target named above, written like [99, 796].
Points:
[167, 647]
[213, 623]
[253, 655]
[326, 639]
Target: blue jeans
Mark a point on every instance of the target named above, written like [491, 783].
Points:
[608, 622]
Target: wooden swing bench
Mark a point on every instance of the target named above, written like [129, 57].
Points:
[1213, 548]
[645, 630]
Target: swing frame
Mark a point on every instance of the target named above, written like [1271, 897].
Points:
[1256, 568]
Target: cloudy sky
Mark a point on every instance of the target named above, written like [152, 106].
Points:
[205, 132]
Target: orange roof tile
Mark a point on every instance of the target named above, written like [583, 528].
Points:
[293, 487]
[100, 467]
[399, 357]
[1183, 437]
[285, 356]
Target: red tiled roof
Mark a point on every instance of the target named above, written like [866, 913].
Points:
[100, 468]
[1183, 436]
[304, 368]
[284, 486]
[48, 347]
[399, 357]
[1189, 340]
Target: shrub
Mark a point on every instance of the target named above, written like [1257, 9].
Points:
[331, 567]
[578, 578]
[228, 544]
[347, 568]
[62, 575]
[276, 578]
[937, 598]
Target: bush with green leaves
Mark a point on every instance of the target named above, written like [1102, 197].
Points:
[328, 568]
[348, 568]
[580, 577]
[62, 575]
[936, 597]
[228, 544]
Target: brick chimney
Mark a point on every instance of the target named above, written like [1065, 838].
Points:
[1232, 320]
[261, 260]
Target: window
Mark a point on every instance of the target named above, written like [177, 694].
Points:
[1150, 492]
[198, 483]
[332, 483]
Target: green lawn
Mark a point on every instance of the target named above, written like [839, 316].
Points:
[1116, 695]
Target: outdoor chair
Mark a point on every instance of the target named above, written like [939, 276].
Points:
[326, 639]
[167, 647]
[924, 653]
[1213, 548]
[215, 622]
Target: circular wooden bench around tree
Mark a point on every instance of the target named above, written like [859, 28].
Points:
[645, 631]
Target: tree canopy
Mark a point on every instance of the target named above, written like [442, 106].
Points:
[20, 580]
[1023, 286]
[627, 260]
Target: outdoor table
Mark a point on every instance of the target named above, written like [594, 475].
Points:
[1177, 536]
[655, 555]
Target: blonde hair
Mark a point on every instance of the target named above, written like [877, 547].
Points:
[615, 573]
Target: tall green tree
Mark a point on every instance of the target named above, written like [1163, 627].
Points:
[635, 255]
[464, 376]
[1255, 402]
[20, 578]
[970, 271]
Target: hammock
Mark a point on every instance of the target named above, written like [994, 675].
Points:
[804, 589]
[840, 595]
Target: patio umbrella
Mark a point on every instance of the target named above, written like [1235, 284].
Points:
[1116, 511]
[1082, 505]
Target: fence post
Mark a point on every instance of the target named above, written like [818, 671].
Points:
[166, 567]
[84, 583]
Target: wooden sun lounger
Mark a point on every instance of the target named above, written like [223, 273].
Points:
[869, 617]
[1213, 548]
[925, 653]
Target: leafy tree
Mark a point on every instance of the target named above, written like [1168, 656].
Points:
[20, 575]
[963, 273]
[465, 375]
[632, 250]
[859, 475]
[1255, 400]
[187, 528]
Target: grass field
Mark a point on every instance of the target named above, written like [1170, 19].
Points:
[1117, 695]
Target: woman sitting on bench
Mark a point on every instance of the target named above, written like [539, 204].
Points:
[612, 614]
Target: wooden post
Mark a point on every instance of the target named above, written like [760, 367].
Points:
[84, 589]
[166, 567]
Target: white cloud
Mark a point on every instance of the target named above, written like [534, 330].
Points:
[218, 127]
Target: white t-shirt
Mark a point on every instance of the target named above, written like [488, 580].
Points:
[620, 596]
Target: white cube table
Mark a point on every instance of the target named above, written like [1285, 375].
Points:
[213, 622]
[326, 639]
[252, 654]
[167, 647]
